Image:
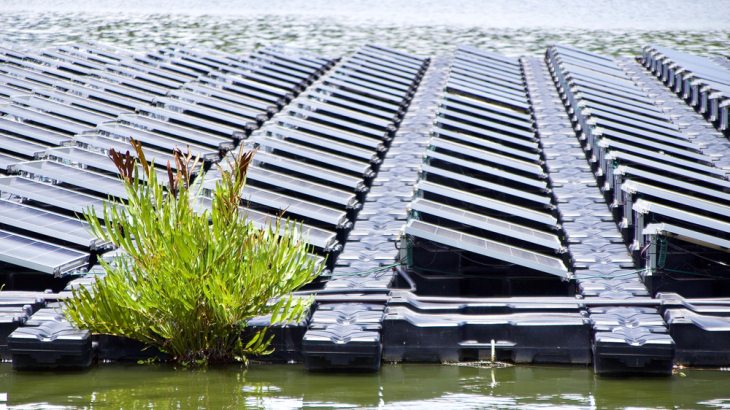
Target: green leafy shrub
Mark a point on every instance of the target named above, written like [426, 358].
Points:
[196, 270]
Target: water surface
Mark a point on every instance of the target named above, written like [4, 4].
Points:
[334, 27]
[134, 386]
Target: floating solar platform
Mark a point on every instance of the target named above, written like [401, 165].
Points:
[547, 210]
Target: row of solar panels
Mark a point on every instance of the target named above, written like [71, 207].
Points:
[317, 158]
[653, 172]
[483, 190]
[61, 111]
[701, 82]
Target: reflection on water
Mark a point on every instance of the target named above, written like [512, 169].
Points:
[333, 36]
[395, 387]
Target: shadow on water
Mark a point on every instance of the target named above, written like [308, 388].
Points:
[135, 386]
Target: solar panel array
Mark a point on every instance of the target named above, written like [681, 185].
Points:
[662, 182]
[483, 200]
[62, 110]
[702, 83]
[317, 158]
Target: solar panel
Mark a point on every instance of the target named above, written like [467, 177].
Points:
[390, 59]
[484, 202]
[363, 90]
[51, 195]
[100, 142]
[89, 104]
[278, 62]
[469, 81]
[313, 154]
[400, 53]
[670, 129]
[525, 124]
[26, 131]
[335, 177]
[542, 263]
[62, 110]
[495, 70]
[321, 95]
[654, 146]
[607, 143]
[325, 143]
[540, 199]
[78, 156]
[489, 55]
[541, 184]
[122, 135]
[386, 60]
[8, 160]
[20, 147]
[489, 224]
[686, 235]
[649, 136]
[629, 171]
[316, 116]
[483, 155]
[487, 63]
[287, 78]
[609, 105]
[250, 82]
[221, 95]
[392, 86]
[346, 199]
[74, 176]
[483, 123]
[485, 106]
[38, 119]
[485, 95]
[134, 83]
[633, 187]
[481, 132]
[623, 93]
[294, 206]
[8, 92]
[121, 89]
[261, 76]
[343, 112]
[395, 78]
[488, 80]
[448, 135]
[49, 224]
[318, 128]
[663, 167]
[268, 96]
[218, 104]
[320, 238]
[22, 86]
[360, 98]
[378, 65]
[38, 255]
[177, 131]
[645, 206]
[617, 101]
[173, 113]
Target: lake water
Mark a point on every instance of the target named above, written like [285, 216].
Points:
[426, 27]
[333, 27]
[283, 387]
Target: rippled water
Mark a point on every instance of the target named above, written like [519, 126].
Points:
[283, 387]
[427, 27]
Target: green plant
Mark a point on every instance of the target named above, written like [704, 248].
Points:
[195, 269]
